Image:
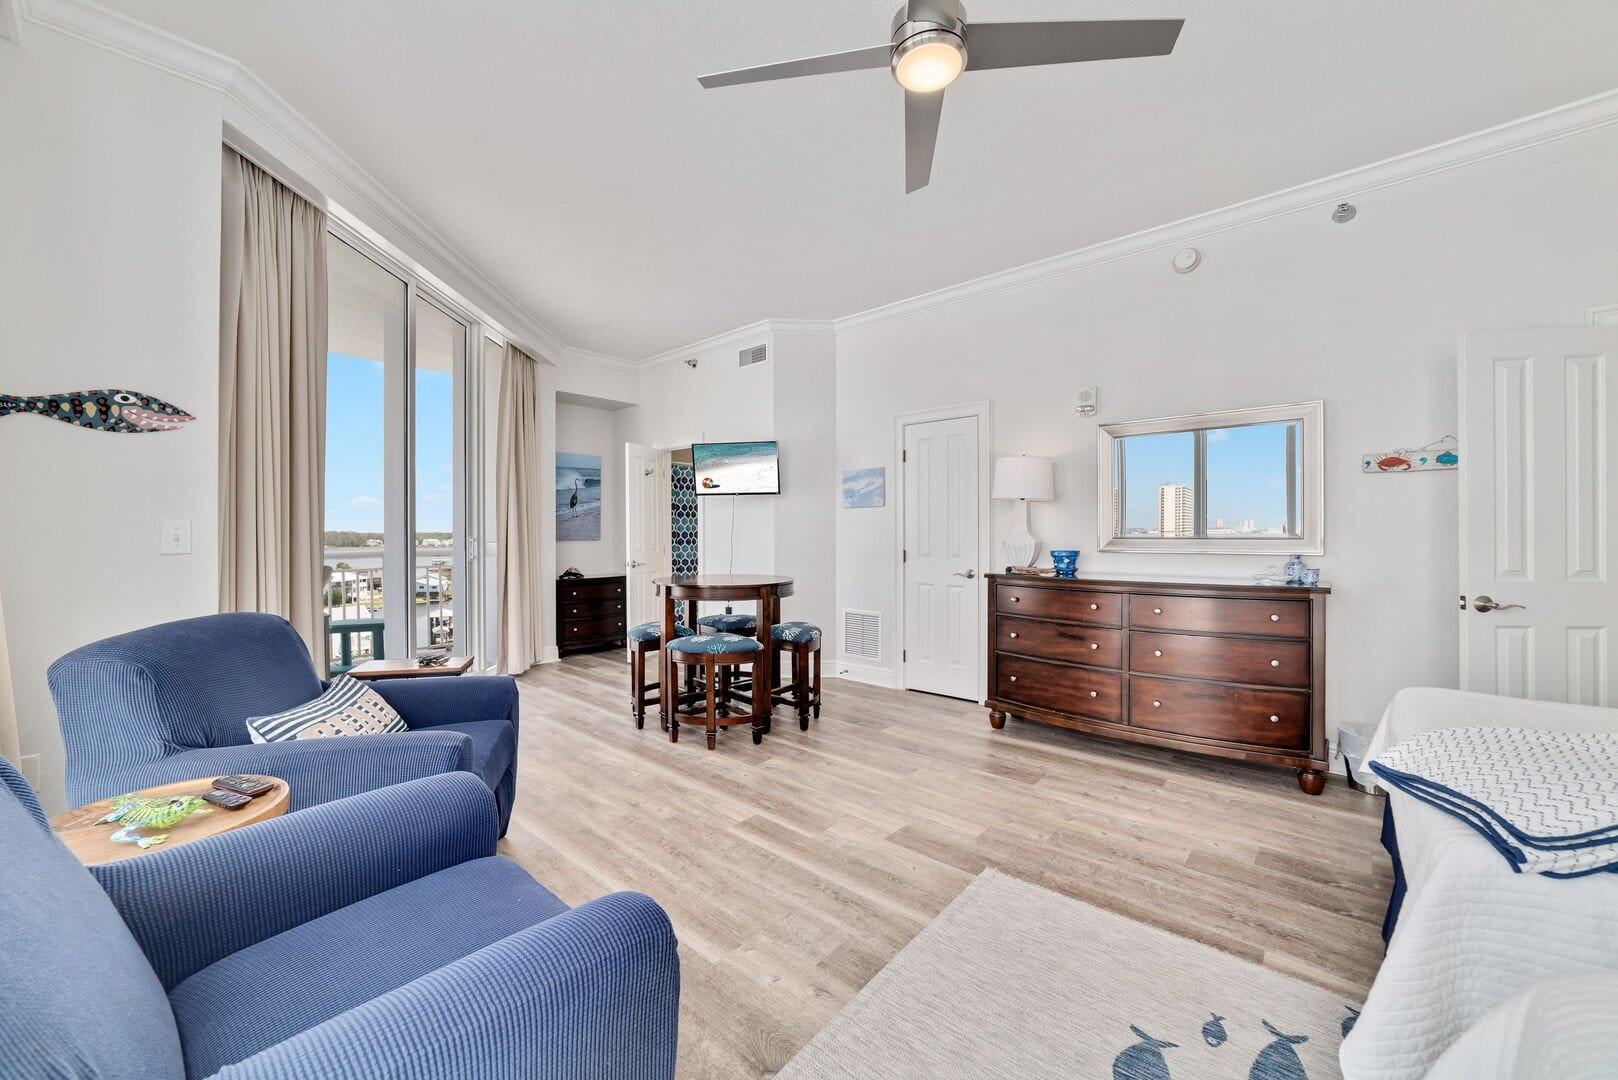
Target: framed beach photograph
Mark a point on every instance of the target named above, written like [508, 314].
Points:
[865, 488]
[578, 496]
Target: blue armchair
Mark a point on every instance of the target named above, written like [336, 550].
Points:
[171, 702]
[373, 936]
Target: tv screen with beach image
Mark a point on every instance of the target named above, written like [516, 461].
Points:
[737, 468]
[578, 496]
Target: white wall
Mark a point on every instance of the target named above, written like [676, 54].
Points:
[1364, 316]
[581, 429]
[109, 269]
[805, 397]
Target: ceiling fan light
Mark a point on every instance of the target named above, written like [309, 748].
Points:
[927, 62]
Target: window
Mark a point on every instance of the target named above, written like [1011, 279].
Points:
[1247, 481]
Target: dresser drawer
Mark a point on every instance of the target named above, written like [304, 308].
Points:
[1276, 718]
[1096, 694]
[590, 609]
[608, 628]
[1267, 662]
[1093, 645]
[589, 589]
[1218, 615]
[1076, 605]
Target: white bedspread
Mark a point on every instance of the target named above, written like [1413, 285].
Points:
[1471, 933]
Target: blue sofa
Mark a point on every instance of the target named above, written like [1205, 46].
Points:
[373, 936]
[171, 702]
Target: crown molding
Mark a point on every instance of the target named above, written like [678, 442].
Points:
[589, 357]
[1564, 121]
[267, 123]
[752, 332]
[11, 20]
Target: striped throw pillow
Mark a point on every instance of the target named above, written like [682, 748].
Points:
[348, 708]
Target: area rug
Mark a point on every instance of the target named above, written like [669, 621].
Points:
[1015, 981]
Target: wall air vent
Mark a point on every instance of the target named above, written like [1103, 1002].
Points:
[755, 355]
[862, 634]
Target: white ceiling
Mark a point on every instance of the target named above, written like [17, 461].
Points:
[566, 148]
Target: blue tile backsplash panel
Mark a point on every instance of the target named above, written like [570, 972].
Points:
[683, 527]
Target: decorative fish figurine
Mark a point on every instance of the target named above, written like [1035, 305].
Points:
[135, 812]
[1278, 1061]
[1349, 1020]
[101, 410]
[1213, 1032]
[1144, 1060]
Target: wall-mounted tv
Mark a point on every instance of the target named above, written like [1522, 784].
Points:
[737, 468]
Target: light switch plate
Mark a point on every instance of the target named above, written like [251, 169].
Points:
[176, 537]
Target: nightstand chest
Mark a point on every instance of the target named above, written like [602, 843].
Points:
[590, 613]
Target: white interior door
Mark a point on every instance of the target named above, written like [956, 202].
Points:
[646, 539]
[1537, 511]
[941, 590]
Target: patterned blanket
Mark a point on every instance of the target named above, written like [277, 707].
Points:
[1546, 800]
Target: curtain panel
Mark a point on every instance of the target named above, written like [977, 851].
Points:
[272, 401]
[520, 492]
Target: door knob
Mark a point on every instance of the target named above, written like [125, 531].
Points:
[966, 573]
[633, 563]
[1485, 604]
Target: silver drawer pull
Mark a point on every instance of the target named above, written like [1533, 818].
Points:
[1157, 704]
[1275, 719]
[1157, 611]
[1014, 634]
[1094, 646]
[1095, 693]
[1016, 599]
[1014, 678]
[1157, 652]
[1275, 663]
[1275, 618]
[1095, 607]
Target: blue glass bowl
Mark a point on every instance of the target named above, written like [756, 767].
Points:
[1066, 563]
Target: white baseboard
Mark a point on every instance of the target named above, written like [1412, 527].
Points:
[872, 676]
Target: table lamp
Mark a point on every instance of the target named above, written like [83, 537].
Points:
[1022, 478]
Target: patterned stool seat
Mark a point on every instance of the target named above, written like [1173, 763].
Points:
[651, 631]
[716, 643]
[730, 624]
[797, 632]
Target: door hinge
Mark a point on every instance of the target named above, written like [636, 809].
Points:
[904, 455]
[904, 656]
[904, 554]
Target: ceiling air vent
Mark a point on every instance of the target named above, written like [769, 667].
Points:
[755, 355]
[862, 634]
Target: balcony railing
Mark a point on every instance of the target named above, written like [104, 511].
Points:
[354, 612]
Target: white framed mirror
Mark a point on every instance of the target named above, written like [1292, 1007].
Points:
[1245, 481]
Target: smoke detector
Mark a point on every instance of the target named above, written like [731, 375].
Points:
[1344, 213]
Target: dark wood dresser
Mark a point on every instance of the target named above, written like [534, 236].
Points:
[590, 613]
[1230, 670]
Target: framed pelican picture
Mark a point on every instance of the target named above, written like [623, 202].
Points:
[578, 496]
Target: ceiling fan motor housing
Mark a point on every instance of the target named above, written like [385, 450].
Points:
[924, 26]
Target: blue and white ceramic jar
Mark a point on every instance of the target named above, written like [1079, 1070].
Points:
[1293, 569]
[1066, 563]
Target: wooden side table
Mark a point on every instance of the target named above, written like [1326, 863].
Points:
[411, 669]
[93, 843]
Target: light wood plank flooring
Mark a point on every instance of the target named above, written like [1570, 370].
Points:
[793, 871]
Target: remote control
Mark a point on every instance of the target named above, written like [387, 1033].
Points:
[230, 800]
[251, 786]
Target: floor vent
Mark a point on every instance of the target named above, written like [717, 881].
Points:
[862, 634]
[755, 355]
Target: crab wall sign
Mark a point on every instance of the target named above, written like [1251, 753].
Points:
[1440, 454]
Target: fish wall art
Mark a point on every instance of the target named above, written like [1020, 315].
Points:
[126, 411]
[1436, 455]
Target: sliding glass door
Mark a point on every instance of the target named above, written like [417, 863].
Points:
[404, 468]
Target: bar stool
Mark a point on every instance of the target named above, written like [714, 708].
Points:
[802, 641]
[643, 640]
[717, 655]
[729, 623]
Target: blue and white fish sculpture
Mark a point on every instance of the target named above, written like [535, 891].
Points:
[1213, 1032]
[101, 410]
[1278, 1061]
[1144, 1060]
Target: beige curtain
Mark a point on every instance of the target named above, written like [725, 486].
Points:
[520, 492]
[272, 401]
[10, 744]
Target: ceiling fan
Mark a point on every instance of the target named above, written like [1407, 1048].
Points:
[933, 43]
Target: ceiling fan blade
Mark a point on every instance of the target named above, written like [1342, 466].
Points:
[921, 135]
[874, 56]
[1029, 44]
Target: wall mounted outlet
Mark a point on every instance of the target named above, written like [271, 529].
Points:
[175, 537]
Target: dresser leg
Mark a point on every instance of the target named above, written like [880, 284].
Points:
[997, 719]
[1313, 781]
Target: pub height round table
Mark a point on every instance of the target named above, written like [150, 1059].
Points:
[766, 589]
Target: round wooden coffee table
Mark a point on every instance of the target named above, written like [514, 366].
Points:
[93, 843]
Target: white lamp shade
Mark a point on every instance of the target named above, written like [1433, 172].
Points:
[1023, 478]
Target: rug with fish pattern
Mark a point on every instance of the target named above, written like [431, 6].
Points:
[1015, 981]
